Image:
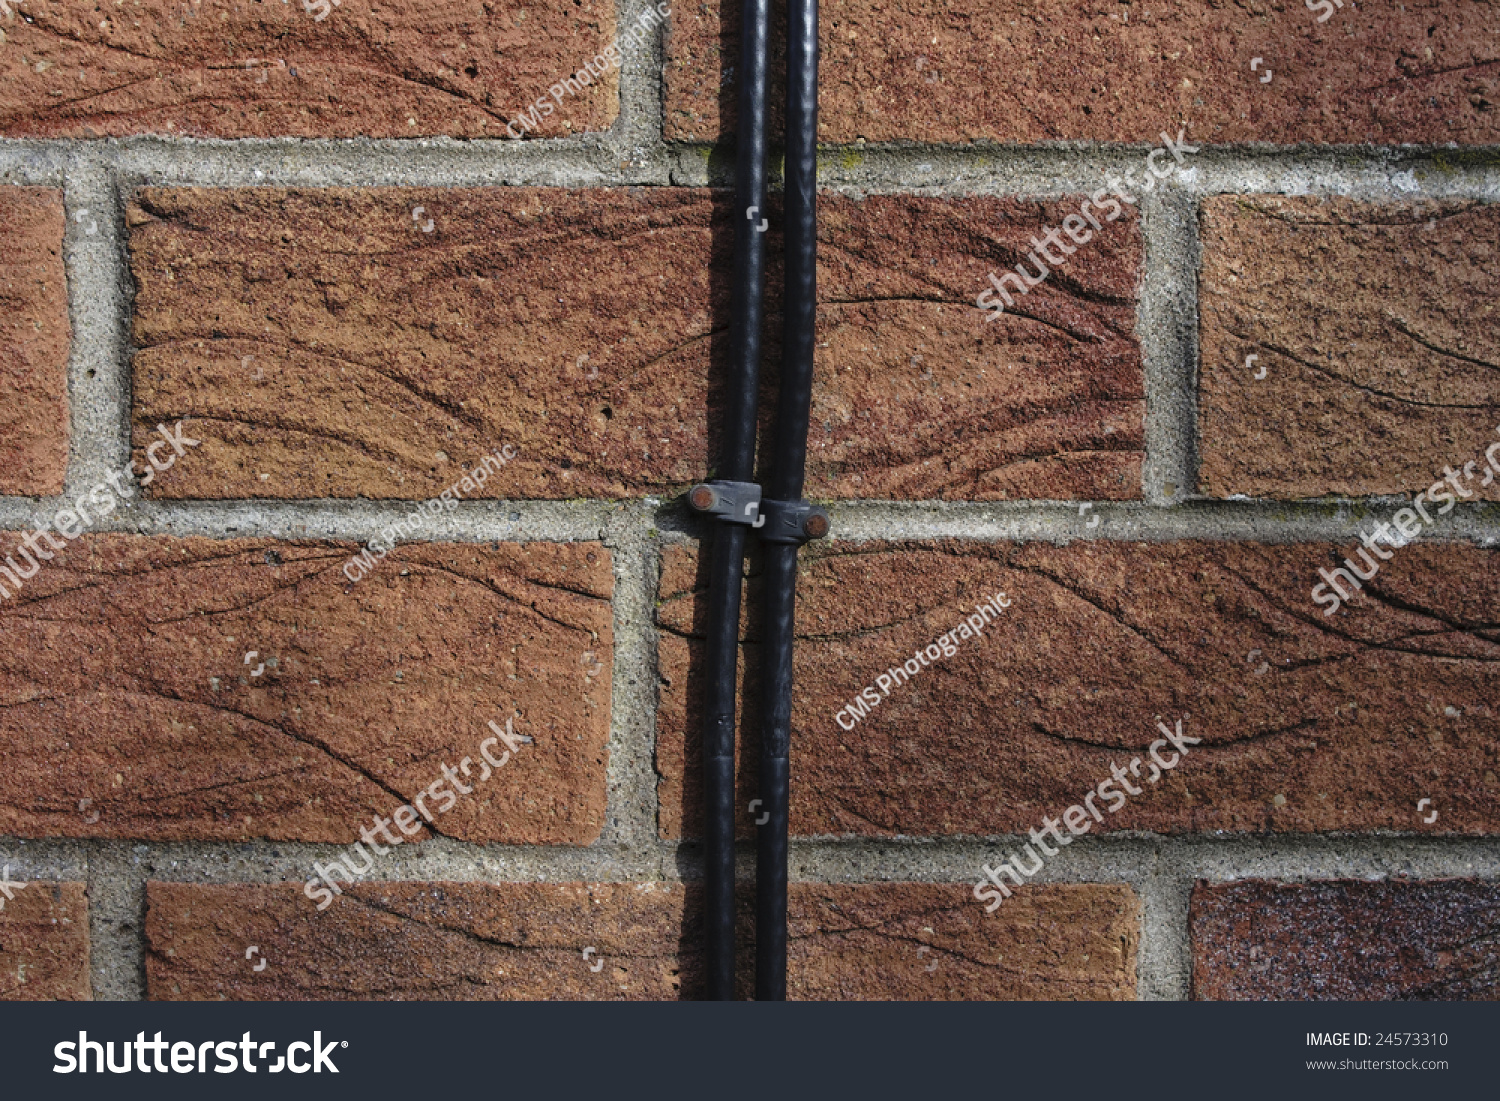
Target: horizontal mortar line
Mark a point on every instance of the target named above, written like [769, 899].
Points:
[594, 161]
[474, 521]
[1120, 857]
[1042, 170]
[266, 862]
[334, 161]
[1045, 521]
[1136, 858]
[587, 520]
[342, 520]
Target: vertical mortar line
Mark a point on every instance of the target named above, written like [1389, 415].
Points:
[636, 138]
[631, 825]
[99, 416]
[117, 914]
[1168, 323]
[1167, 320]
[98, 298]
[1164, 960]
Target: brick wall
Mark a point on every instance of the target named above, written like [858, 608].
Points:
[308, 234]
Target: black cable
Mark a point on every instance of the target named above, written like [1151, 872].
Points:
[727, 559]
[789, 459]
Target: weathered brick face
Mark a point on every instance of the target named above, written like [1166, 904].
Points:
[1345, 940]
[335, 355]
[483, 942]
[1019, 71]
[34, 337]
[1375, 328]
[371, 68]
[1306, 723]
[44, 943]
[306, 237]
[155, 720]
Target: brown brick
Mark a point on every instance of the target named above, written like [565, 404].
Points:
[407, 941]
[370, 68]
[1345, 940]
[1060, 942]
[470, 941]
[1020, 71]
[44, 943]
[1307, 723]
[1375, 326]
[913, 399]
[334, 355]
[132, 707]
[34, 338]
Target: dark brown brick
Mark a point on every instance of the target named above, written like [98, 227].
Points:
[370, 68]
[469, 941]
[34, 339]
[323, 346]
[1019, 71]
[1345, 940]
[44, 943]
[1307, 722]
[1375, 326]
[132, 707]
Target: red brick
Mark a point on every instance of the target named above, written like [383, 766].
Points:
[44, 943]
[371, 68]
[1308, 723]
[333, 353]
[1345, 940]
[411, 941]
[1375, 326]
[1059, 942]
[34, 338]
[471, 941]
[132, 707]
[1020, 71]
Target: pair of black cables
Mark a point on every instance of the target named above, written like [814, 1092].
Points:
[736, 505]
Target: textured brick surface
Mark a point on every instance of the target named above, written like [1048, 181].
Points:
[375, 68]
[44, 944]
[1348, 940]
[510, 941]
[1376, 328]
[407, 941]
[34, 336]
[1307, 723]
[130, 705]
[1061, 942]
[1017, 70]
[325, 346]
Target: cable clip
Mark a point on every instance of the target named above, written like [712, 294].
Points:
[732, 502]
[792, 522]
[777, 521]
